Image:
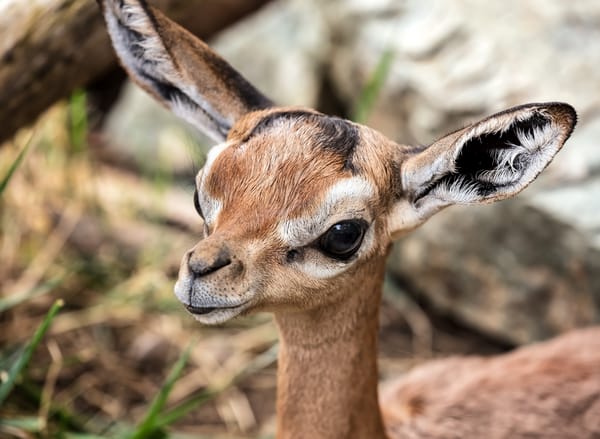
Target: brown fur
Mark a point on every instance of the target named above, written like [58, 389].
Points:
[549, 390]
[267, 185]
[327, 376]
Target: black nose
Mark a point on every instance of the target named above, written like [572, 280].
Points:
[204, 263]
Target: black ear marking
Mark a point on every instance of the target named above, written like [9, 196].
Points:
[485, 153]
[334, 134]
[197, 204]
[342, 137]
[494, 160]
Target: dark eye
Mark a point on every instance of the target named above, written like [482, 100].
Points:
[343, 239]
[197, 203]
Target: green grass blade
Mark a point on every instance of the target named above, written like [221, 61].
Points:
[149, 425]
[372, 89]
[188, 405]
[81, 436]
[30, 424]
[78, 118]
[15, 299]
[15, 165]
[23, 360]
[33, 394]
[260, 362]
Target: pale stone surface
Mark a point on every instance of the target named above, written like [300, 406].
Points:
[456, 60]
[140, 131]
[281, 49]
[510, 270]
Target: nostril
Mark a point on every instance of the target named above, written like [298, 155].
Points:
[201, 267]
[221, 261]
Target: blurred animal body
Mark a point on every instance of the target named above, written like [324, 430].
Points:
[300, 210]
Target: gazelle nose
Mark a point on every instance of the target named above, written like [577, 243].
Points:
[202, 263]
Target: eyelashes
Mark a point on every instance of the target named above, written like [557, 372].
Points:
[197, 204]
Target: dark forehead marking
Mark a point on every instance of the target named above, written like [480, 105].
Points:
[333, 133]
[267, 121]
[396, 173]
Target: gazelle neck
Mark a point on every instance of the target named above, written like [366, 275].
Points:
[327, 372]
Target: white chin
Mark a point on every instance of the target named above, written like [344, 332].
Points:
[218, 315]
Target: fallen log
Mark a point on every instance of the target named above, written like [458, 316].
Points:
[48, 48]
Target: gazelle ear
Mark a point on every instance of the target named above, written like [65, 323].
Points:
[490, 160]
[178, 69]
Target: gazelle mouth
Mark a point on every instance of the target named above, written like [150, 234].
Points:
[213, 315]
[202, 310]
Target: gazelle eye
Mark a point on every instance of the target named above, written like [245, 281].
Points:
[197, 204]
[343, 239]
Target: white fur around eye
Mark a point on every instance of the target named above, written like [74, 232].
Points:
[344, 200]
[316, 269]
[211, 207]
[347, 199]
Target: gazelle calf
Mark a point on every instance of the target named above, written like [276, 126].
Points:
[300, 210]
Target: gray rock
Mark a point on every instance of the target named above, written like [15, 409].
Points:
[281, 49]
[454, 61]
[510, 270]
[143, 133]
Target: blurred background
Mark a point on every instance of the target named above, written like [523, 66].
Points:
[96, 210]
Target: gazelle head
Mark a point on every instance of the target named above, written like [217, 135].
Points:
[296, 204]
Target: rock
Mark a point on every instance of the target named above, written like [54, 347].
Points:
[282, 49]
[510, 270]
[146, 136]
[522, 269]
[454, 61]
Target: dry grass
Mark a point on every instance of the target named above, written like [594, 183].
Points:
[108, 243]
